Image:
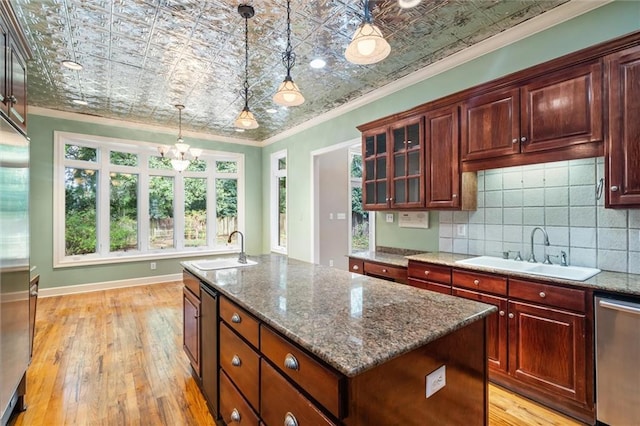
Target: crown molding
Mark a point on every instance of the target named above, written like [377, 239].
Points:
[528, 28]
[64, 115]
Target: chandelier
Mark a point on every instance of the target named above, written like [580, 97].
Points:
[181, 151]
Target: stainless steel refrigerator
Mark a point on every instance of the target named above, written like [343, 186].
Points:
[14, 268]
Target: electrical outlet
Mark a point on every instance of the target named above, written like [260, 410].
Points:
[152, 265]
[389, 217]
[331, 262]
[436, 381]
[462, 230]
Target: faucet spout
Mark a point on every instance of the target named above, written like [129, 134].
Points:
[532, 258]
[242, 257]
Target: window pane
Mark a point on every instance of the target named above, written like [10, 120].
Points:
[282, 210]
[356, 166]
[160, 212]
[195, 212]
[226, 209]
[123, 202]
[76, 152]
[124, 158]
[80, 211]
[163, 163]
[359, 221]
[282, 163]
[227, 166]
[197, 166]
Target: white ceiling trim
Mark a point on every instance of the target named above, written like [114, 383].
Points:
[64, 115]
[528, 28]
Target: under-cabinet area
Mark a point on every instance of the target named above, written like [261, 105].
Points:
[281, 359]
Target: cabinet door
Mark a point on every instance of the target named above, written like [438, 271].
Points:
[442, 148]
[374, 178]
[547, 349]
[491, 125]
[17, 89]
[191, 329]
[4, 73]
[623, 149]
[496, 327]
[562, 109]
[407, 164]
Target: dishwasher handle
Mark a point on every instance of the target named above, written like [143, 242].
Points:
[619, 307]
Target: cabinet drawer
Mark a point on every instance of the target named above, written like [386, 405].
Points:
[280, 400]
[548, 294]
[239, 320]
[391, 272]
[319, 381]
[429, 272]
[241, 363]
[191, 282]
[356, 266]
[428, 285]
[480, 282]
[234, 409]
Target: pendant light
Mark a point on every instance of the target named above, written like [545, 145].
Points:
[288, 93]
[408, 4]
[180, 148]
[245, 119]
[367, 46]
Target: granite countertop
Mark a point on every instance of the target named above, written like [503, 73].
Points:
[352, 322]
[386, 255]
[615, 282]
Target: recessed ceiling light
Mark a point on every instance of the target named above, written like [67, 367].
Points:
[317, 63]
[80, 102]
[407, 4]
[271, 110]
[239, 130]
[72, 65]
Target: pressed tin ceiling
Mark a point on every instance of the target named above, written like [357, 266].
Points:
[141, 57]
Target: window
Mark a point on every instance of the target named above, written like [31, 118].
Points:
[279, 202]
[119, 200]
[362, 223]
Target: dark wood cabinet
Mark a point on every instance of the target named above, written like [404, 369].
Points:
[375, 194]
[191, 328]
[429, 277]
[622, 166]
[378, 270]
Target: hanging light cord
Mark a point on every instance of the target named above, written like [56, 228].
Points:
[179, 124]
[367, 12]
[246, 62]
[288, 57]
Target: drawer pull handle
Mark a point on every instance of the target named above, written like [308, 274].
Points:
[476, 282]
[291, 362]
[501, 313]
[236, 318]
[511, 316]
[235, 361]
[542, 294]
[384, 270]
[235, 416]
[355, 267]
[614, 188]
[290, 420]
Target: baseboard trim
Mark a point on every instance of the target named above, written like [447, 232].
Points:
[107, 285]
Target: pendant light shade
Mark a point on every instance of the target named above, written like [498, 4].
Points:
[245, 119]
[367, 46]
[288, 93]
[408, 4]
[181, 150]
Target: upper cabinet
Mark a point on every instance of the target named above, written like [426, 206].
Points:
[622, 165]
[13, 70]
[393, 166]
[547, 118]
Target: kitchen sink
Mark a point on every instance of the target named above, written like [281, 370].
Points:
[577, 273]
[222, 263]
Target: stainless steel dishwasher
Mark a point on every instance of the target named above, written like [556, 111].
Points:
[617, 356]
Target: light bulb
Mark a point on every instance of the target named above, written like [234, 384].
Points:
[366, 47]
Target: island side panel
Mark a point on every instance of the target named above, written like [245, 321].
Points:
[394, 392]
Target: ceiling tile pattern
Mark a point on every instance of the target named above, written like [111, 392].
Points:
[141, 57]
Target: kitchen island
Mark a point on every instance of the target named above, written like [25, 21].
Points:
[368, 344]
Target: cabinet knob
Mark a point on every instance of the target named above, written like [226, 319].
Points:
[235, 361]
[523, 139]
[426, 272]
[542, 294]
[514, 140]
[291, 362]
[235, 318]
[13, 99]
[614, 188]
[290, 420]
[454, 195]
[501, 313]
[235, 416]
[355, 267]
[384, 270]
[511, 315]
[476, 282]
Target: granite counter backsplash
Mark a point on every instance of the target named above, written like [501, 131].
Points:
[352, 322]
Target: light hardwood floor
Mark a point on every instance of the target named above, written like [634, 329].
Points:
[115, 358]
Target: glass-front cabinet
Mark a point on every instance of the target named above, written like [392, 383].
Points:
[393, 166]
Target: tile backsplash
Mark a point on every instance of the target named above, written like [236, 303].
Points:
[559, 197]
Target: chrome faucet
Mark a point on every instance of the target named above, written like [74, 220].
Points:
[532, 258]
[242, 257]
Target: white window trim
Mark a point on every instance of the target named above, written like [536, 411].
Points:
[144, 149]
[274, 198]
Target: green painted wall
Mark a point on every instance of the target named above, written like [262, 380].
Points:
[607, 22]
[41, 131]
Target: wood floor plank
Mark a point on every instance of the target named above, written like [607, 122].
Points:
[115, 358]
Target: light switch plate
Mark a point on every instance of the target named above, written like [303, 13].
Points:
[389, 217]
[436, 381]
